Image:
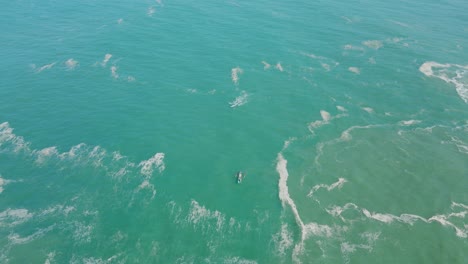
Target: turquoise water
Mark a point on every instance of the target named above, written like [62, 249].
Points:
[122, 126]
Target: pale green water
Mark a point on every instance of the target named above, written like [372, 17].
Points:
[122, 126]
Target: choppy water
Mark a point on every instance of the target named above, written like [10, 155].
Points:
[122, 126]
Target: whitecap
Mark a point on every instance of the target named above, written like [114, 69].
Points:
[326, 118]
[45, 67]
[114, 72]
[106, 59]
[409, 122]
[120, 21]
[409, 219]
[199, 215]
[283, 240]
[325, 115]
[325, 66]
[71, 64]
[240, 100]
[443, 220]
[454, 205]
[336, 211]
[3, 183]
[45, 153]
[351, 47]
[13, 217]
[374, 44]
[368, 110]
[151, 10]
[355, 70]
[50, 258]
[266, 65]
[279, 67]
[235, 72]
[82, 232]
[155, 162]
[341, 108]
[16, 239]
[450, 73]
[338, 184]
[238, 260]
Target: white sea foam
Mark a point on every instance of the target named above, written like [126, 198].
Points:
[325, 115]
[348, 248]
[45, 67]
[147, 169]
[347, 19]
[286, 200]
[235, 72]
[114, 72]
[409, 122]
[82, 232]
[336, 211]
[351, 47]
[71, 64]
[372, 60]
[399, 23]
[240, 100]
[50, 258]
[279, 67]
[120, 21]
[461, 145]
[199, 215]
[368, 110]
[57, 209]
[13, 217]
[155, 162]
[325, 66]
[16, 239]
[106, 59]
[450, 73]
[3, 183]
[151, 10]
[130, 78]
[345, 136]
[338, 184]
[326, 118]
[238, 260]
[43, 154]
[317, 230]
[113, 163]
[266, 65]
[355, 70]
[341, 108]
[283, 240]
[443, 220]
[455, 205]
[374, 44]
[410, 219]
[326, 63]
[313, 56]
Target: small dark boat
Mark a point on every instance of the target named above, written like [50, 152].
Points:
[239, 176]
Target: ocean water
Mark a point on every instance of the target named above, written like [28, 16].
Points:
[122, 126]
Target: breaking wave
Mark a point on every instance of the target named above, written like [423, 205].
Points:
[443, 219]
[450, 73]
